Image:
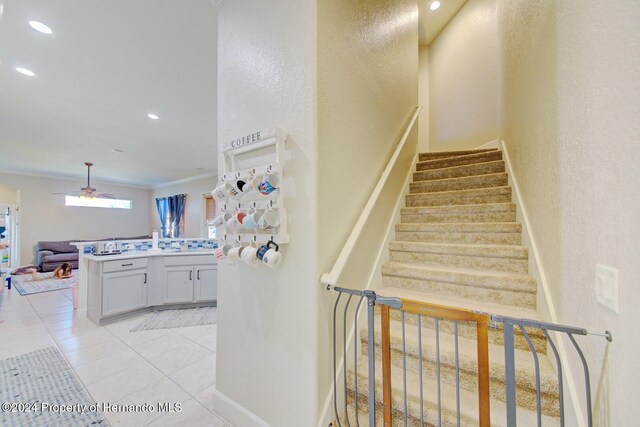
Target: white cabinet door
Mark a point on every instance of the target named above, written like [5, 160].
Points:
[177, 285]
[206, 288]
[124, 291]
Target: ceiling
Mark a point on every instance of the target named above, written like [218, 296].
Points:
[433, 21]
[105, 67]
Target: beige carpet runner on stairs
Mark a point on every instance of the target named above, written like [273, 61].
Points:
[458, 244]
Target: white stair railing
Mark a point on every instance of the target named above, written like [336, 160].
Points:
[330, 279]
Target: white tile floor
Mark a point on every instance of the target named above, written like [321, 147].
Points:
[115, 365]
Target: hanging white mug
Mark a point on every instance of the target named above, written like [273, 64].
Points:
[235, 253]
[251, 221]
[248, 255]
[220, 193]
[269, 219]
[222, 251]
[221, 219]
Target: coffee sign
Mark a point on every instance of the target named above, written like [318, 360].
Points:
[243, 141]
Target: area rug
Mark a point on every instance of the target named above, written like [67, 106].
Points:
[42, 379]
[27, 286]
[178, 318]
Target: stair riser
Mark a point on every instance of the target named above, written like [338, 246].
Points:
[460, 171]
[476, 262]
[459, 184]
[454, 237]
[472, 217]
[468, 330]
[423, 157]
[517, 299]
[526, 385]
[458, 161]
[397, 411]
[425, 200]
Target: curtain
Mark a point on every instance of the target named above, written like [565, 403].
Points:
[176, 211]
[163, 205]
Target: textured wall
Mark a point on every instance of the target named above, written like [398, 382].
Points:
[267, 354]
[194, 210]
[8, 195]
[45, 217]
[367, 91]
[571, 79]
[423, 99]
[463, 80]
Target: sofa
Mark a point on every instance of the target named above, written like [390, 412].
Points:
[51, 254]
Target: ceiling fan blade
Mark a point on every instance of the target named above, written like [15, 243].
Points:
[70, 193]
[89, 191]
[100, 195]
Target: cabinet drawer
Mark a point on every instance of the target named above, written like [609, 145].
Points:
[124, 264]
[191, 259]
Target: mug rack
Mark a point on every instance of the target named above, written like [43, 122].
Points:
[256, 155]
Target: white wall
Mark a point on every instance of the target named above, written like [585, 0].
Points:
[367, 93]
[463, 80]
[8, 195]
[45, 217]
[423, 98]
[267, 353]
[571, 79]
[194, 209]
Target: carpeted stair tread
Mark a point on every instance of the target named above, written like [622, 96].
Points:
[459, 160]
[441, 154]
[507, 281]
[475, 250]
[472, 196]
[451, 209]
[494, 166]
[462, 303]
[461, 183]
[511, 258]
[468, 363]
[486, 212]
[514, 290]
[464, 227]
[468, 401]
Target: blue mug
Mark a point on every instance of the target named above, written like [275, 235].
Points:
[263, 249]
[269, 184]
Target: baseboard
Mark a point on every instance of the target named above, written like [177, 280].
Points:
[382, 256]
[237, 414]
[545, 304]
[491, 144]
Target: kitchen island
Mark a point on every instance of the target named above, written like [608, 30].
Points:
[116, 286]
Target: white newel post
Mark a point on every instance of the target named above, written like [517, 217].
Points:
[82, 281]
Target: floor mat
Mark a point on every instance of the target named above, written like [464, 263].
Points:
[178, 318]
[42, 379]
[27, 286]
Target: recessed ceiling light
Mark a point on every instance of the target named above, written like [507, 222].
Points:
[25, 71]
[153, 116]
[117, 150]
[434, 5]
[39, 26]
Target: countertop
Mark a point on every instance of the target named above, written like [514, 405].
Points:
[147, 254]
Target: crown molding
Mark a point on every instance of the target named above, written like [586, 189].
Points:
[185, 180]
[68, 177]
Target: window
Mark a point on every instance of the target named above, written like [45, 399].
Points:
[95, 202]
[209, 216]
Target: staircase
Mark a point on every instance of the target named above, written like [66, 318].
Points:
[458, 244]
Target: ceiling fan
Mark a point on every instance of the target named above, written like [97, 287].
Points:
[89, 192]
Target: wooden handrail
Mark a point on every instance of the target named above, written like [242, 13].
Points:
[331, 278]
[446, 313]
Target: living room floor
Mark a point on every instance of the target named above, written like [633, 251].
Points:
[115, 365]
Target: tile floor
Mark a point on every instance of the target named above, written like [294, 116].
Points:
[115, 365]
